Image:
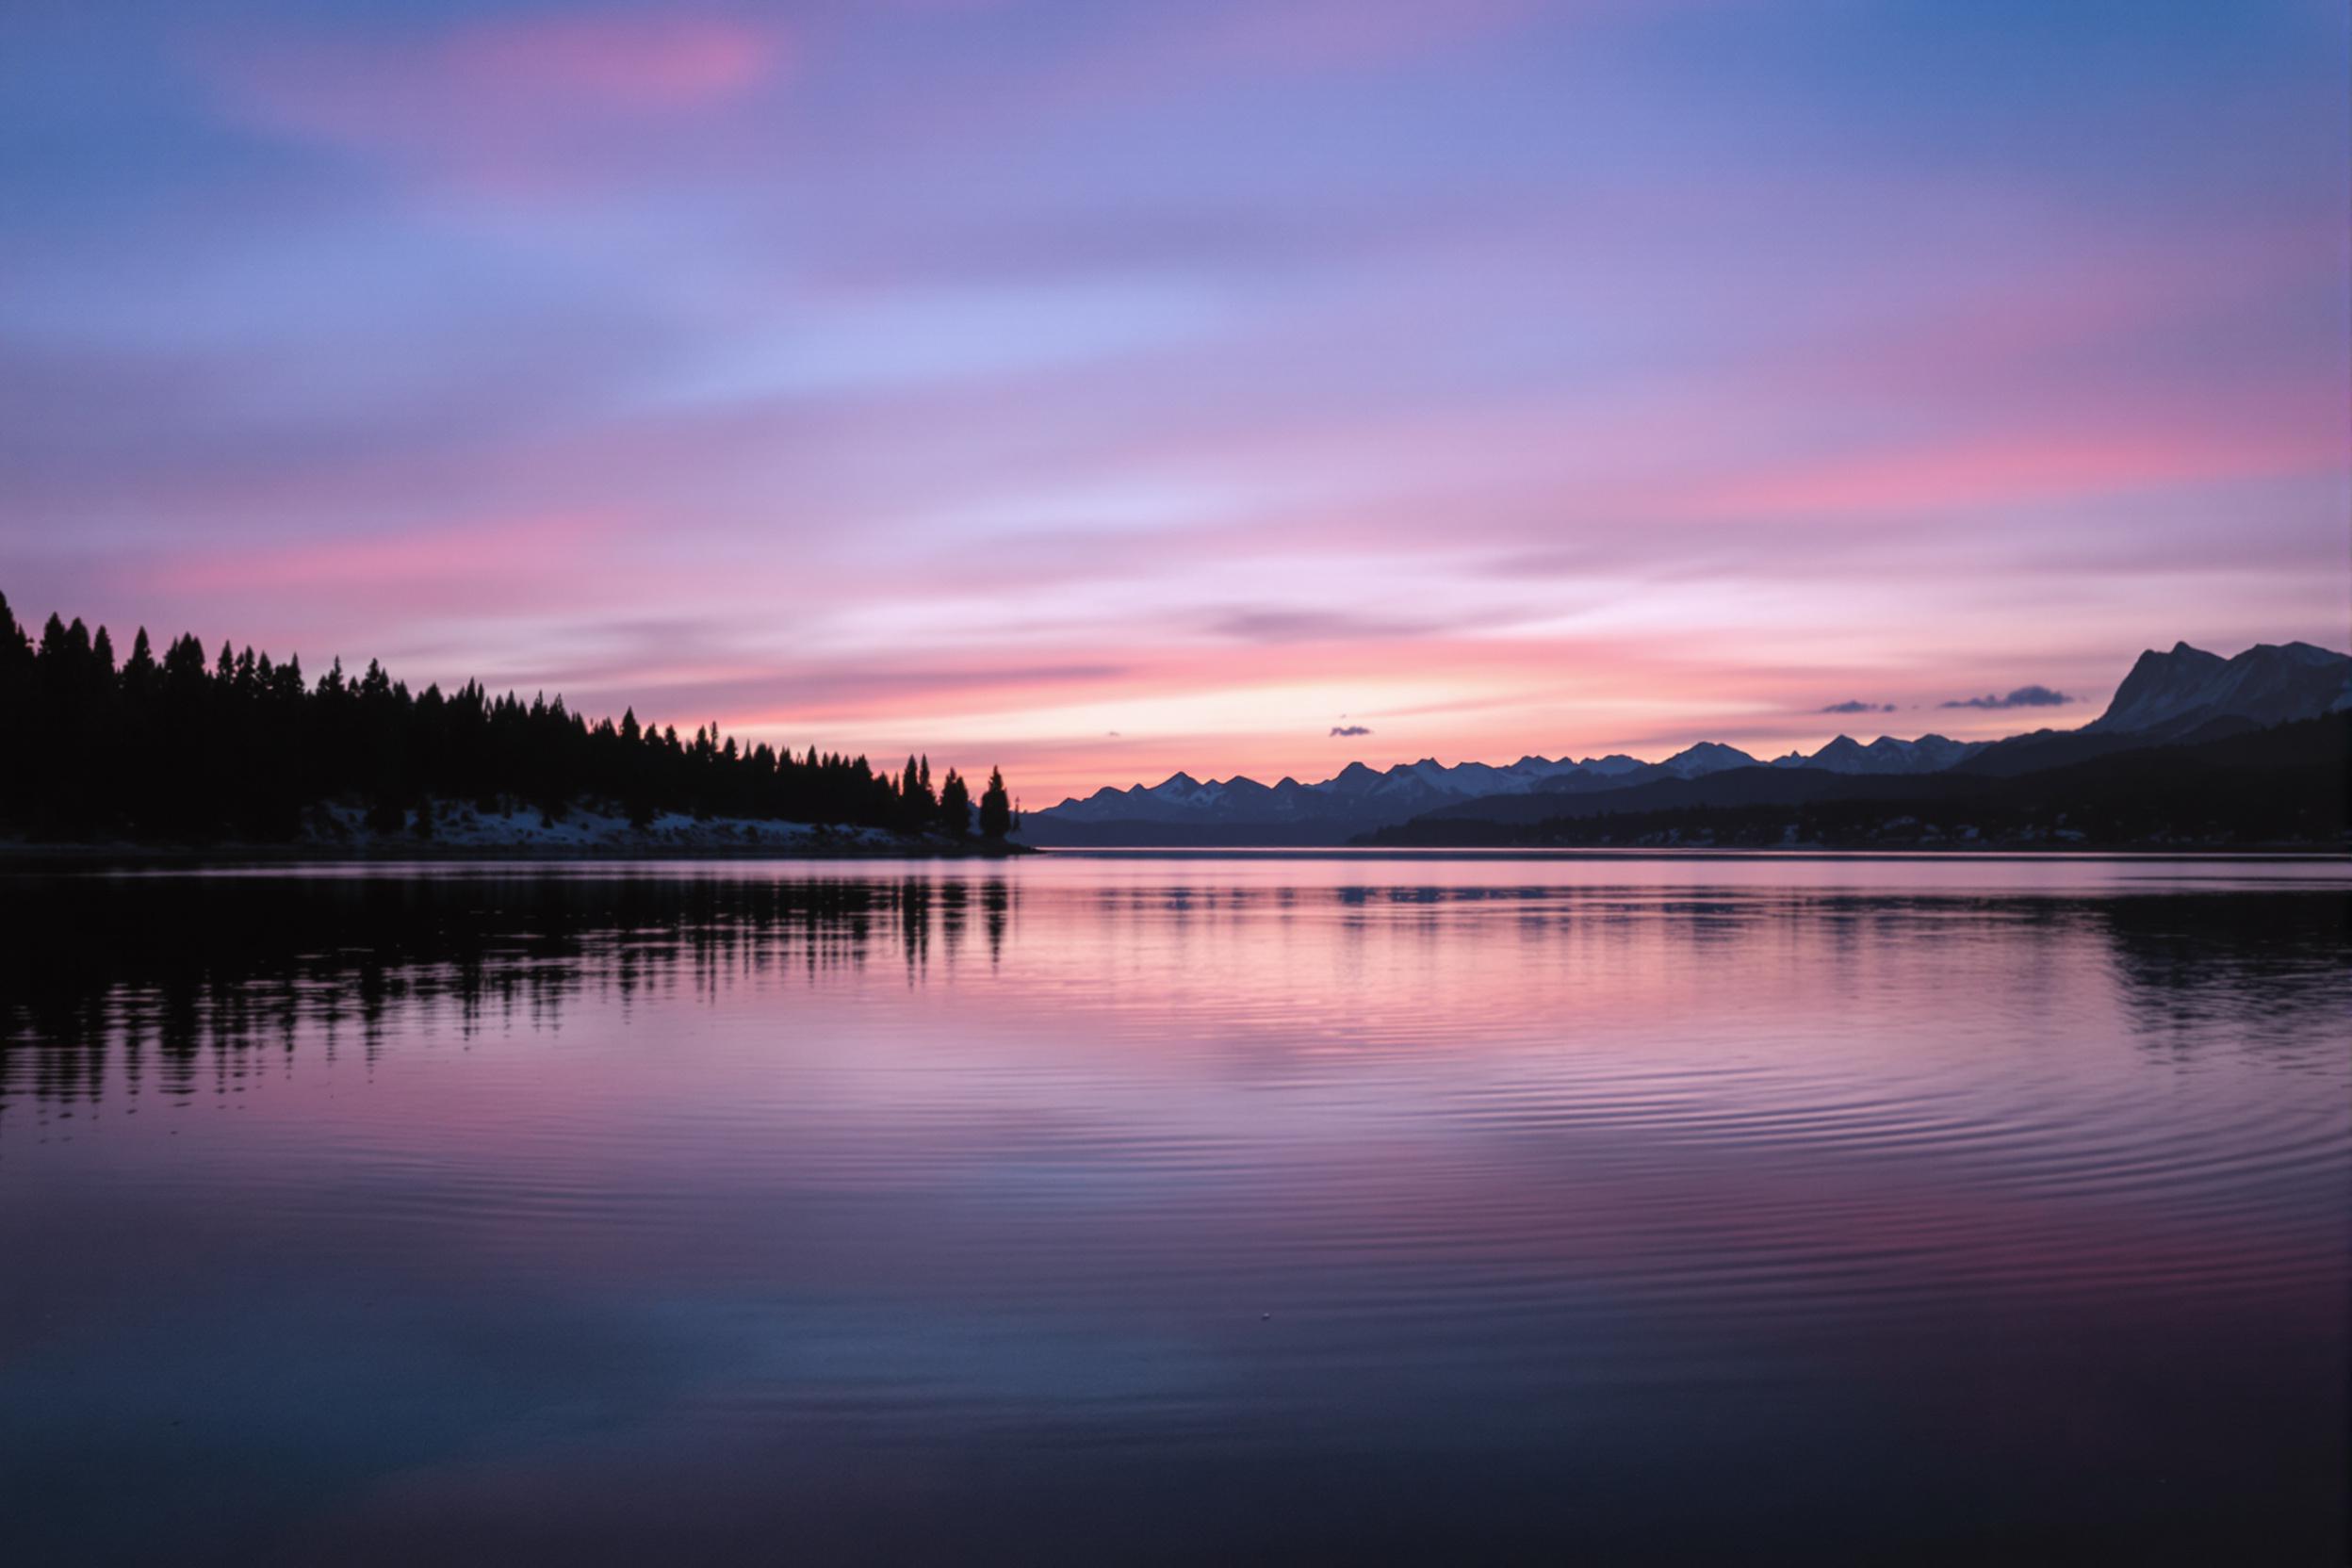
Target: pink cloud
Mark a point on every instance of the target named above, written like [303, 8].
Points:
[643, 61]
[500, 97]
[2008, 468]
[500, 551]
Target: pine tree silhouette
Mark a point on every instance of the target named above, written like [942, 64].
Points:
[996, 808]
[955, 806]
[192, 746]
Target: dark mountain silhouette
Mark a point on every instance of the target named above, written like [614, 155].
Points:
[1181, 812]
[1885, 755]
[2171, 695]
[2187, 695]
[2184, 696]
[1753, 785]
[2281, 786]
[182, 749]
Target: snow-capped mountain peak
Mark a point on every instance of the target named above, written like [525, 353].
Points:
[2171, 694]
[1614, 764]
[1706, 758]
[1885, 755]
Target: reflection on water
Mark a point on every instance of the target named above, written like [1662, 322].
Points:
[215, 966]
[1167, 1207]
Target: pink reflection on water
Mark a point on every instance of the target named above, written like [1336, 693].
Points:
[1278, 1152]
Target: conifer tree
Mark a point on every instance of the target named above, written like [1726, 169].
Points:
[196, 745]
[139, 670]
[996, 808]
[16, 679]
[955, 806]
[16, 650]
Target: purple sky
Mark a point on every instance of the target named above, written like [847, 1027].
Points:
[1100, 388]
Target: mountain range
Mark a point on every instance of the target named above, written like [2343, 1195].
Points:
[2187, 697]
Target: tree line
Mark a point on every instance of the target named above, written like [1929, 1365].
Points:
[182, 747]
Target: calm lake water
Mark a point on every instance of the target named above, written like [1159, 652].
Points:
[1112, 1209]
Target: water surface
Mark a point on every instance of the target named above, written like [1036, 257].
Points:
[1179, 1207]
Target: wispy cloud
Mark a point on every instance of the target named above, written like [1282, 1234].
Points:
[503, 98]
[1022, 374]
[1319, 626]
[478, 558]
[1859, 706]
[1348, 731]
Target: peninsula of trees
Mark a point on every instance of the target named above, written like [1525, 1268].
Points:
[183, 749]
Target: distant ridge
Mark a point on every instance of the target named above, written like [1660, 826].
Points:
[2283, 787]
[2186, 695]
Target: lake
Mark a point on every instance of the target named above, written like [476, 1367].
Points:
[1129, 1208]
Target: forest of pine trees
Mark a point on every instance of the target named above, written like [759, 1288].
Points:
[182, 748]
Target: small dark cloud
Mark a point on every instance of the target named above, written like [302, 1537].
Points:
[1858, 707]
[2024, 696]
[1344, 731]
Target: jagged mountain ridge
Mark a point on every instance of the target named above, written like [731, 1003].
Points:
[2184, 693]
[2279, 787]
[2187, 694]
[2172, 693]
[1885, 755]
[1180, 795]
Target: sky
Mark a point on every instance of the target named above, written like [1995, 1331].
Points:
[1100, 389]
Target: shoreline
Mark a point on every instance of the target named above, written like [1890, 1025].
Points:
[19, 856]
[2275, 854]
[32, 855]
